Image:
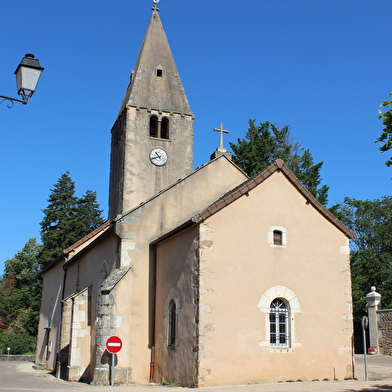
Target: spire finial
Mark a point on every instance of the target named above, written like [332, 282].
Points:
[155, 8]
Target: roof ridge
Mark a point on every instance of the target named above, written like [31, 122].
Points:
[175, 183]
[87, 237]
[253, 182]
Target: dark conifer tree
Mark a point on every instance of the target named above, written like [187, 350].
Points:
[88, 213]
[67, 218]
[265, 143]
[57, 226]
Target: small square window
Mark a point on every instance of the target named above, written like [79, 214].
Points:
[159, 72]
[277, 236]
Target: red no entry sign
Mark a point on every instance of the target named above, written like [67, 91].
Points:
[113, 344]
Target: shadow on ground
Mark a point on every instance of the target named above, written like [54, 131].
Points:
[377, 388]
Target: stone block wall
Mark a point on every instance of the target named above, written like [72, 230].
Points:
[108, 322]
[24, 358]
[65, 339]
[80, 338]
[385, 331]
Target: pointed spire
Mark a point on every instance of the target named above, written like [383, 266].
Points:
[155, 82]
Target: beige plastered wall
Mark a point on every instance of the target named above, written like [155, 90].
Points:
[83, 273]
[138, 229]
[241, 272]
[176, 280]
[50, 315]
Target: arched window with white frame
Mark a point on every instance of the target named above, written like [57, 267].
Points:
[280, 307]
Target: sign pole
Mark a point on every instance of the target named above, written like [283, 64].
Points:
[112, 373]
[113, 346]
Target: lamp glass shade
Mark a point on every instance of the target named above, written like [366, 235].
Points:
[27, 75]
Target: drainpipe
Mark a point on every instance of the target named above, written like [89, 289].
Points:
[152, 364]
[58, 363]
[153, 311]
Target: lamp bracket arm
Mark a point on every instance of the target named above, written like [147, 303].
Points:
[11, 101]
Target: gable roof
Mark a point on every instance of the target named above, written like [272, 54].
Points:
[253, 182]
[87, 238]
[180, 180]
[80, 245]
[92, 238]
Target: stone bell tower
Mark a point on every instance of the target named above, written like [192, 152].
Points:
[152, 138]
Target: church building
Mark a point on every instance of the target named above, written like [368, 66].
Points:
[207, 276]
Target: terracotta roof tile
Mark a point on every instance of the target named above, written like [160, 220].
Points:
[253, 182]
[87, 237]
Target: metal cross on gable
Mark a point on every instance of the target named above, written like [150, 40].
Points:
[155, 8]
[222, 131]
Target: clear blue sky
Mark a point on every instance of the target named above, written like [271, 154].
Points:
[321, 66]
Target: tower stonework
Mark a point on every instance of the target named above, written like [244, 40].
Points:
[152, 138]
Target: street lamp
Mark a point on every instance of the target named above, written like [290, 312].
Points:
[27, 74]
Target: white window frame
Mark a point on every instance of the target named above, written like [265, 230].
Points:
[271, 235]
[264, 305]
[281, 315]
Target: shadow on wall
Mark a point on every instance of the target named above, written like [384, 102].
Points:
[107, 358]
[64, 361]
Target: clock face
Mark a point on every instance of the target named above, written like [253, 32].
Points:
[158, 156]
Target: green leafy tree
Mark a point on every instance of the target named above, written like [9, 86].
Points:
[8, 304]
[386, 135]
[265, 143]
[2, 325]
[67, 218]
[25, 269]
[20, 290]
[21, 344]
[371, 251]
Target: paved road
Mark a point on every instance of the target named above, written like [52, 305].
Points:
[20, 376]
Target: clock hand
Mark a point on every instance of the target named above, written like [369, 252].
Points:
[157, 156]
